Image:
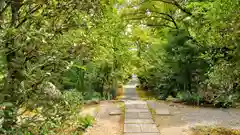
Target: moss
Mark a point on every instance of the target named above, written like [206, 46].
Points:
[153, 112]
[145, 95]
[120, 92]
[121, 106]
[203, 130]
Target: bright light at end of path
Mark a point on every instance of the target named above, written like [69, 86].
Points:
[130, 86]
[133, 49]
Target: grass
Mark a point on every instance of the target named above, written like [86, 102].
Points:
[122, 107]
[153, 112]
[203, 130]
[120, 92]
[145, 95]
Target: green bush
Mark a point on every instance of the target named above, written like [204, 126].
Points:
[184, 70]
[85, 122]
[191, 98]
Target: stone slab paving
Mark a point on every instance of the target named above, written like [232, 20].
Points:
[145, 115]
[138, 118]
[140, 128]
[138, 115]
[136, 110]
[141, 133]
[138, 121]
[132, 128]
[115, 112]
[149, 128]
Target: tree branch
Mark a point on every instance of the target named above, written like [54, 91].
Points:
[15, 7]
[4, 8]
[159, 25]
[164, 14]
[172, 2]
[172, 19]
[164, 1]
[31, 12]
[138, 18]
[175, 3]
[181, 8]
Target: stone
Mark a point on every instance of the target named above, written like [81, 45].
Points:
[136, 106]
[138, 115]
[138, 118]
[129, 106]
[141, 133]
[162, 112]
[129, 128]
[131, 115]
[134, 102]
[115, 112]
[139, 121]
[147, 115]
[149, 128]
[141, 106]
[137, 110]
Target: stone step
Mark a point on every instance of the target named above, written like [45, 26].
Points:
[115, 112]
[138, 118]
[135, 102]
[138, 115]
[141, 133]
[140, 128]
[136, 110]
[136, 106]
[138, 121]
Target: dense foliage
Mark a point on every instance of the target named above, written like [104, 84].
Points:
[56, 55]
[194, 53]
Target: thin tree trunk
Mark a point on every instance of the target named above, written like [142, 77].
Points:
[14, 71]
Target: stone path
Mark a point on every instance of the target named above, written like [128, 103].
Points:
[138, 118]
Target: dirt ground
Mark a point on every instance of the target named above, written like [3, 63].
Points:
[184, 117]
[106, 124]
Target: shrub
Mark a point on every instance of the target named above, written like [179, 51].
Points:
[85, 122]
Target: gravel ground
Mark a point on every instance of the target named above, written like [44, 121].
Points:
[183, 117]
[106, 124]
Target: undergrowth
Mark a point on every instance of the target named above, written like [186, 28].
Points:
[214, 131]
[145, 95]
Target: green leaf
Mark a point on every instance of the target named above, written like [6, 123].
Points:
[7, 104]
[80, 67]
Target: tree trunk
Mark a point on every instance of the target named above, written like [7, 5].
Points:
[14, 72]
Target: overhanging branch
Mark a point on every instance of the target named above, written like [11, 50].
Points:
[159, 25]
[169, 17]
[171, 2]
[143, 17]
[4, 8]
[36, 8]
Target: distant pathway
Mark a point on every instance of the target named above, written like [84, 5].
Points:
[138, 118]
